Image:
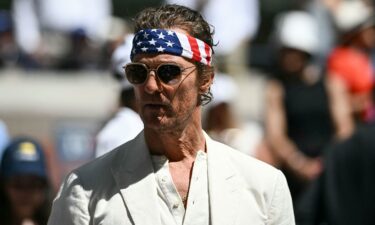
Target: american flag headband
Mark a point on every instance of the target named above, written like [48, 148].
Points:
[171, 42]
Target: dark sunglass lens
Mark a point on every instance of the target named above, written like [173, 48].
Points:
[168, 73]
[136, 74]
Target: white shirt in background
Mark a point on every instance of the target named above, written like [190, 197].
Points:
[124, 126]
[32, 17]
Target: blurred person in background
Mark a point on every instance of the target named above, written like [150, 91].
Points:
[304, 111]
[235, 24]
[344, 192]
[65, 34]
[8, 49]
[24, 184]
[350, 62]
[4, 137]
[126, 123]
[222, 123]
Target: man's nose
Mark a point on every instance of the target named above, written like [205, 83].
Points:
[152, 84]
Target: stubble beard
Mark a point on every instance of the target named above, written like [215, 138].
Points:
[170, 120]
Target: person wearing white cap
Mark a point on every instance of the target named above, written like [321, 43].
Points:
[304, 111]
[126, 123]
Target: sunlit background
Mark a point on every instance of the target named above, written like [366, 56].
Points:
[56, 81]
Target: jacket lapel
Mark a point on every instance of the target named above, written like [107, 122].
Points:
[222, 186]
[134, 175]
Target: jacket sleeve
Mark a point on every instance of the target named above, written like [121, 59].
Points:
[70, 206]
[281, 207]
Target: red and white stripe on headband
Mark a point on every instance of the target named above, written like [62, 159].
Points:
[171, 42]
[195, 49]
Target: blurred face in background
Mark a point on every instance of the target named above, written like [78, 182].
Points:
[292, 61]
[367, 37]
[26, 194]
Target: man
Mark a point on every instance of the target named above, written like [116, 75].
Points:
[172, 172]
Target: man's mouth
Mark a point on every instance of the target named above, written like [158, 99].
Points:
[154, 106]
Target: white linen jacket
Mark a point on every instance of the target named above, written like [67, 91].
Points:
[119, 188]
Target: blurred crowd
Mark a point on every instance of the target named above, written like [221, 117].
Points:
[317, 118]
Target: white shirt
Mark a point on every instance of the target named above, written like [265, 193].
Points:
[122, 128]
[171, 205]
[4, 138]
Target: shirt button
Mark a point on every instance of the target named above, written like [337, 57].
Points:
[163, 179]
[175, 206]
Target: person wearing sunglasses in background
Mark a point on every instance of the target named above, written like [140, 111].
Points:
[173, 172]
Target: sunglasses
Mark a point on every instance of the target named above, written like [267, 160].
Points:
[137, 73]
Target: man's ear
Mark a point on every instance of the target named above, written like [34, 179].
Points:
[206, 83]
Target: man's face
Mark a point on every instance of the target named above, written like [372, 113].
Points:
[166, 107]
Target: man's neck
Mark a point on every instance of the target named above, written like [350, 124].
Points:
[176, 145]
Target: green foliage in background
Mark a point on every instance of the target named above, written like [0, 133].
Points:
[129, 8]
[5, 4]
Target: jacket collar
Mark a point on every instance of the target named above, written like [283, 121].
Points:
[134, 174]
[222, 184]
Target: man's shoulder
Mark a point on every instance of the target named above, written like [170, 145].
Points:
[252, 170]
[100, 169]
[241, 158]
